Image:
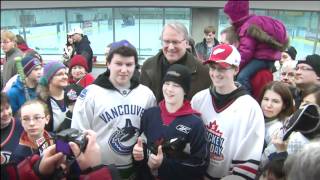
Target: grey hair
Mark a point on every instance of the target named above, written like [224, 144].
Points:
[305, 164]
[179, 27]
[289, 64]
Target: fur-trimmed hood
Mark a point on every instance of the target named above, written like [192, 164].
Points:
[263, 37]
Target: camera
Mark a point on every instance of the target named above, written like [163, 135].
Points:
[70, 135]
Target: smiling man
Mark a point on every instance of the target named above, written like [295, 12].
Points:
[174, 51]
[308, 71]
[113, 106]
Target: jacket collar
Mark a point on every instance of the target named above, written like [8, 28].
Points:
[104, 82]
[11, 51]
[188, 60]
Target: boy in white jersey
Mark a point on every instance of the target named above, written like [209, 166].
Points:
[113, 105]
[234, 120]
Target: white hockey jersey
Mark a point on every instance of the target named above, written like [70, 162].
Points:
[235, 134]
[115, 118]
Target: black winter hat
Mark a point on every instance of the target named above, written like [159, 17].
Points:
[292, 52]
[313, 61]
[179, 74]
[305, 120]
[71, 93]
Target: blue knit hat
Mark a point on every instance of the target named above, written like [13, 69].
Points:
[49, 70]
[29, 63]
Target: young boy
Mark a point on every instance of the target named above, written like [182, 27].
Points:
[33, 70]
[113, 105]
[78, 71]
[176, 122]
[209, 41]
[11, 130]
[34, 139]
[234, 120]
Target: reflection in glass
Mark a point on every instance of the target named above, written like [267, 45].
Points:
[96, 23]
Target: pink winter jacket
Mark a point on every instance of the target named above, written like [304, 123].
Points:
[251, 47]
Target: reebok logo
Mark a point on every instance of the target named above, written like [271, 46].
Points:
[183, 129]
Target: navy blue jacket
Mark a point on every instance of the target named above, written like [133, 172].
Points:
[26, 147]
[10, 136]
[190, 164]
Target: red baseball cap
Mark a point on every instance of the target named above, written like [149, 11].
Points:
[225, 55]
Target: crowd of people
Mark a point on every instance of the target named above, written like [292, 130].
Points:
[239, 108]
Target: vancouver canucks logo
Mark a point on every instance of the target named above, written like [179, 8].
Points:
[122, 140]
[5, 157]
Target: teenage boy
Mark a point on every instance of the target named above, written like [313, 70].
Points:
[234, 120]
[113, 105]
[174, 120]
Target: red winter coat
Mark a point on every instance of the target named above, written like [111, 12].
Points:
[84, 82]
[259, 80]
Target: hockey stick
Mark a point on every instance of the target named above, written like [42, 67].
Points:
[22, 76]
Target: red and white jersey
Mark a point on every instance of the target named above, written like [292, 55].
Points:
[235, 134]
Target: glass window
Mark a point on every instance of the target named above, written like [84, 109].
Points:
[44, 33]
[151, 24]
[96, 23]
[182, 15]
[302, 28]
[223, 22]
[127, 25]
[46, 29]
[10, 20]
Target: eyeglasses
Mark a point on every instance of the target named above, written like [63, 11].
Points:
[219, 69]
[5, 42]
[303, 68]
[36, 118]
[284, 56]
[174, 43]
[289, 74]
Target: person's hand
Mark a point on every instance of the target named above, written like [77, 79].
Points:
[138, 150]
[155, 161]
[278, 143]
[91, 157]
[50, 160]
